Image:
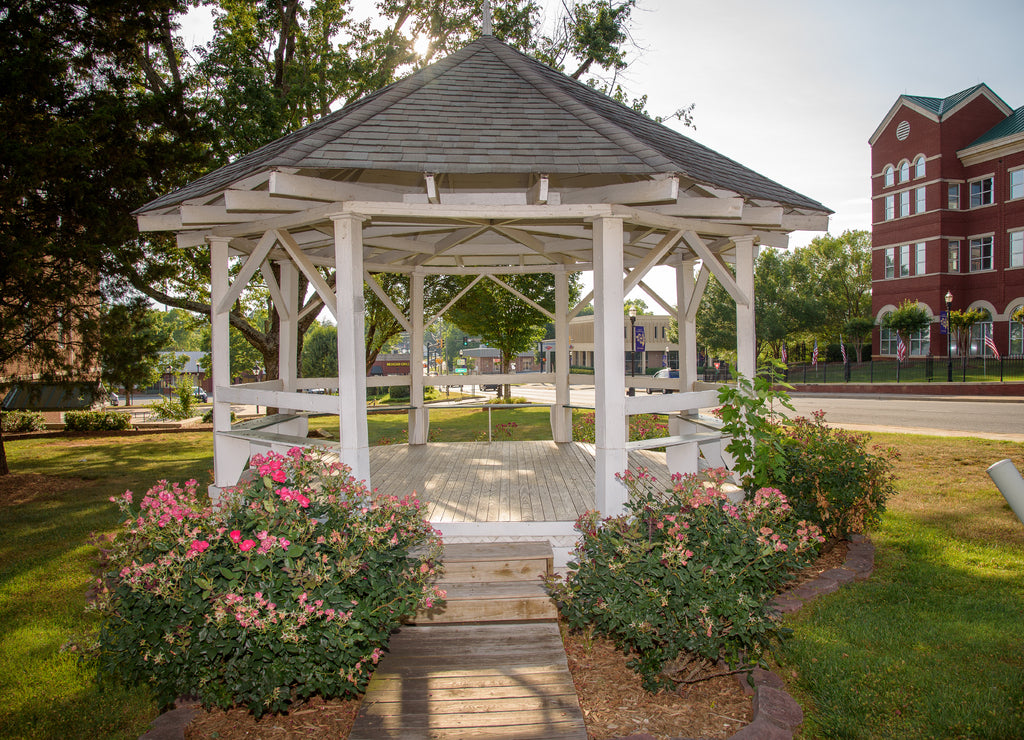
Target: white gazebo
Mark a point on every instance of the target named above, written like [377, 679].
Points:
[487, 163]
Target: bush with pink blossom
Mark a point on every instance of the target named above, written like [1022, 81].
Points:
[685, 570]
[289, 589]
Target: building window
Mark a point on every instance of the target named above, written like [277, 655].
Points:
[904, 171]
[919, 166]
[890, 262]
[1016, 337]
[981, 192]
[1016, 184]
[921, 342]
[904, 260]
[981, 254]
[904, 203]
[954, 197]
[889, 173]
[886, 340]
[1017, 249]
[954, 256]
[919, 254]
[919, 196]
[890, 207]
[979, 331]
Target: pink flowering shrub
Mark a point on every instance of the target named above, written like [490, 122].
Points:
[685, 570]
[641, 426]
[291, 589]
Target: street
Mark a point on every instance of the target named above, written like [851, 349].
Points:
[1000, 418]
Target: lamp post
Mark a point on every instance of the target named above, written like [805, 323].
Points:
[949, 341]
[632, 345]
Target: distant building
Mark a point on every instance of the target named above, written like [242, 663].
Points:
[658, 352]
[947, 188]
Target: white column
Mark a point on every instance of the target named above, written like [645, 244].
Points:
[746, 342]
[351, 309]
[609, 369]
[419, 417]
[229, 455]
[287, 361]
[685, 288]
[561, 417]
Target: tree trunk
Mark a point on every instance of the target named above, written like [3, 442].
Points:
[4, 470]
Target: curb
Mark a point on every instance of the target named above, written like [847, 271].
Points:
[776, 713]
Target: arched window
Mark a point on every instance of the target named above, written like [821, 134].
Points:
[1016, 334]
[920, 342]
[904, 171]
[889, 173]
[979, 331]
[919, 166]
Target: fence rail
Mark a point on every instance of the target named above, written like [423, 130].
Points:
[912, 370]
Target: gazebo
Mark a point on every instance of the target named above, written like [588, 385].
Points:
[484, 164]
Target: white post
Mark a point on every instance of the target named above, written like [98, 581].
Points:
[351, 309]
[287, 361]
[561, 417]
[419, 417]
[746, 339]
[609, 368]
[685, 288]
[229, 455]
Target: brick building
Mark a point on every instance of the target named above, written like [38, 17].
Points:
[947, 191]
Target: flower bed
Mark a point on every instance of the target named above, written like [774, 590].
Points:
[289, 590]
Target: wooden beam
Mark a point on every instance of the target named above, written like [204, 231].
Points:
[528, 301]
[261, 201]
[627, 193]
[690, 207]
[323, 289]
[283, 309]
[400, 317]
[698, 292]
[400, 244]
[164, 222]
[762, 216]
[772, 239]
[653, 257]
[451, 303]
[191, 239]
[319, 189]
[431, 187]
[724, 275]
[669, 308]
[537, 195]
[252, 264]
[583, 303]
[645, 217]
[805, 222]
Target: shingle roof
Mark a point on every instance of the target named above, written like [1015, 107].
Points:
[1009, 126]
[490, 109]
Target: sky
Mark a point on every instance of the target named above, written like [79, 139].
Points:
[793, 89]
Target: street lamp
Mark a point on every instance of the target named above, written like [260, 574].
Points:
[949, 341]
[632, 345]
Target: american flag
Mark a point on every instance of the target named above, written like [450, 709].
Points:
[901, 349]
[842, 348]
[784, 357]
[990, 343]
[814, 354]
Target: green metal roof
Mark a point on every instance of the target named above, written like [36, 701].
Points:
[942, 106]
[1009, 126]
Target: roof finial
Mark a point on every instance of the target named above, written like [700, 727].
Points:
[487, 18]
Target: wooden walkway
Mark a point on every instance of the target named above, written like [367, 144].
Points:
[448, 682]
[498, 481]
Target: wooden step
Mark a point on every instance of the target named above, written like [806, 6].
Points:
[493, 582]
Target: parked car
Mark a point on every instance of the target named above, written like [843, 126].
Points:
[664, 374]
[113, 399]
[200, 394]
[491, 387]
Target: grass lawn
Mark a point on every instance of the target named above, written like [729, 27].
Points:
[930, 646]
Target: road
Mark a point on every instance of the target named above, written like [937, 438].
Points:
[995, 419]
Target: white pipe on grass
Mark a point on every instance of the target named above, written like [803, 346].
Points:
[1010, 483]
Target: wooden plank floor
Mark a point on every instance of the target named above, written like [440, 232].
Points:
[447, 682]
[498, 481]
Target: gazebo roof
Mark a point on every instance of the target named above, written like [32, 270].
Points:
[488, 109]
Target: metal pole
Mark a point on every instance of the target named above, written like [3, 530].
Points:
[949, 341]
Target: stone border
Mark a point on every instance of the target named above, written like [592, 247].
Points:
[776, 713]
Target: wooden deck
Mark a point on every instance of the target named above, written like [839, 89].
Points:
[498, 481]
[472, 681]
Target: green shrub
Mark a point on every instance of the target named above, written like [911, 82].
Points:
[180, 405]
[22, 421]
[97, 421]
[833, 479]
[399, 393]
[685, 571]
[289, 590]
[641, 426]
[207, 417]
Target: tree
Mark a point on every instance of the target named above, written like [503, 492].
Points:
[837, 276]
[131, 339]
[960, 323]
[908, 319]
[857, 330]
[186, 329]
[639, 304]
[320, 352]
[498, 317]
